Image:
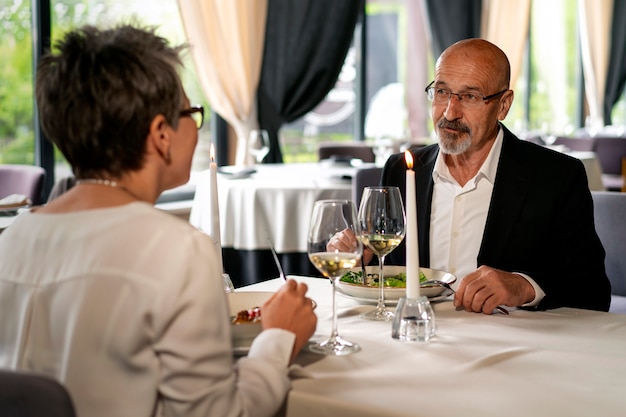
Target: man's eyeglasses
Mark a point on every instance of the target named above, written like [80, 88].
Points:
[196, 113]
[440, 95]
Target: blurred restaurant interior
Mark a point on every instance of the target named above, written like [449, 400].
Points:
[347, 76]
[305, 100]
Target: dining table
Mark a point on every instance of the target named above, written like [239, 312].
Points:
[268, 204]
[561, 362]
[6, 221]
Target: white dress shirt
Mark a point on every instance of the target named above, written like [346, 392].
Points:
[126, 307]
[459, 215]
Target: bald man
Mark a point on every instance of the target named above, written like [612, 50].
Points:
[511, 219]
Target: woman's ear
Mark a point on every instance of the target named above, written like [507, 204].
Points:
[160, 137]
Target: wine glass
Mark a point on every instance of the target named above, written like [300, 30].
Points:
[329, 218]
[258, 144]
[382, 221]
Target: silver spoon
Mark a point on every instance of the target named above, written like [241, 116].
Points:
[434, 282]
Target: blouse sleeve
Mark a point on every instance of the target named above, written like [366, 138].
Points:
[194, 349]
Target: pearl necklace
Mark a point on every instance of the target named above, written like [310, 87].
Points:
[108, 183]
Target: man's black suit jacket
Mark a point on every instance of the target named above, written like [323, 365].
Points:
[540, 221]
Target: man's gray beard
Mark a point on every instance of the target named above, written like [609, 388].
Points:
[453, 145]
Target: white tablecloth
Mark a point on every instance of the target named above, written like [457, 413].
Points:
[6, 221]
[563, 362]
[277, 201]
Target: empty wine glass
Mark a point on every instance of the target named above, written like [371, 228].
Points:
[382, 221]
[329, 218]
[258, 144]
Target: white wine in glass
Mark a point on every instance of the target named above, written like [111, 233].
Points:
[329, 218]
[382, 221]
[332, 264]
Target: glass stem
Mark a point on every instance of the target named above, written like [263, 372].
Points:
[334, 333]
[381, 283]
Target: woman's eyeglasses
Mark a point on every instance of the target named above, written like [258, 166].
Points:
[196, 113]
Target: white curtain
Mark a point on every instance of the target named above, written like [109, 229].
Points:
[417, 73]
[227, 40]
[595, 40]
[505, 23]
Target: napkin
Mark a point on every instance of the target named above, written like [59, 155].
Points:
[14, 201]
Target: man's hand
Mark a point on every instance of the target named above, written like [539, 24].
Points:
[346, 241]
[486, 288]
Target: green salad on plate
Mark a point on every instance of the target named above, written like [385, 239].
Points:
[372, 280]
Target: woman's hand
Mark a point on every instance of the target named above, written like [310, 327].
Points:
[291, 310]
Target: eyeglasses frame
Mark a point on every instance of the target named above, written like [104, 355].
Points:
[191, 111]
[450, 93]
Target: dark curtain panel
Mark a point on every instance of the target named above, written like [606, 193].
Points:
[306, 42]
[616, 76]
[248, 267]
[453, 20]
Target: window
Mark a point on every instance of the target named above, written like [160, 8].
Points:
[17, 145]
[17, 142]
[386, 117]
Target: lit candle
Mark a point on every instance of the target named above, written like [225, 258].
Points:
[214, 223]
[412, 250]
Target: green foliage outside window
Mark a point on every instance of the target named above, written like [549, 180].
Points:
[16, 84]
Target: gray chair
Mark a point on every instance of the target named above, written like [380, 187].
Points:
[32, 395]
[610, 219]
[364, 177]
[576, 143]
[346, 150]
[25, 180]
[61, 186]
[610, 152]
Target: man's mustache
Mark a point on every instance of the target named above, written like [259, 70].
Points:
[455, 125]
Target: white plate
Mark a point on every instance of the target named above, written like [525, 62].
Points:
[364, 293]
[12, 211]
[235, 172]
[244, 334]
[394, 301]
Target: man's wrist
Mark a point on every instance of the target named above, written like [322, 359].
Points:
[533, 293]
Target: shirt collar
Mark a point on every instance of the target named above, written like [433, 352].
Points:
[487, 170]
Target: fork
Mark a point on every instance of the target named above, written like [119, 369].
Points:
[276, 261]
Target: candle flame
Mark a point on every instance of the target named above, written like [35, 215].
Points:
[212, 153]
[409, 159]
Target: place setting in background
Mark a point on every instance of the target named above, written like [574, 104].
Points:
[258, 147]
[11, 204]
[10, 207]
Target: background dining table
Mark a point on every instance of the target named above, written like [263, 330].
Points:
[592, 168]
[274, 202]
[562, 362]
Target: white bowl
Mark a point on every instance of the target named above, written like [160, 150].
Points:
[244, 333]
[392, 294]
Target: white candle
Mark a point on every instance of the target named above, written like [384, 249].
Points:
[214, 223]
[412, 249]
